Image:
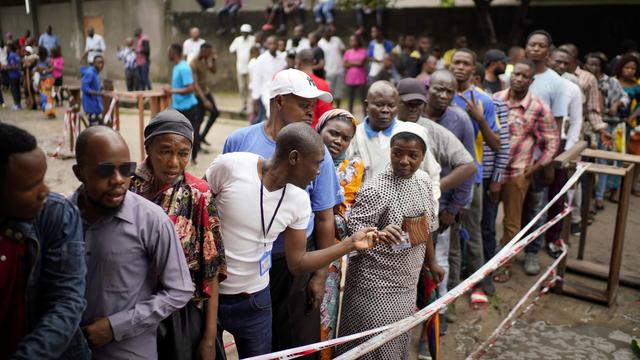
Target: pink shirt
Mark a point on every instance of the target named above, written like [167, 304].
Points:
[356, 75]
[58, 65]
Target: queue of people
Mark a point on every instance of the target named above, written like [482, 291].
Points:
[150, 261]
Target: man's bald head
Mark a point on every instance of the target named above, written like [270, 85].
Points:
[305, 57]
[443, 76]
[93, 140]
[299, 137]
[382, 87]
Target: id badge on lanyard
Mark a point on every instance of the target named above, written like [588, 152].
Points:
[265, 263]
[265, 259]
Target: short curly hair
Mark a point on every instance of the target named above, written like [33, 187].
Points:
[13, 140]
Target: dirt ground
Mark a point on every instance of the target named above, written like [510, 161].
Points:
[559, 327]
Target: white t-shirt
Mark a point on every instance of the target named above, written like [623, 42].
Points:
[233, 178]
[191, 48]
[302, 44]
[378, 54]
[242, 48]
[333, 50]
[267, 66]
[94, 46]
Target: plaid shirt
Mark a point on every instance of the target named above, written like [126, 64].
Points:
[532, 127]
[592, 109]
[493, 164]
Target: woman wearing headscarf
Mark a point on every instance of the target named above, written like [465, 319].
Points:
[337, 127]
[162, 179]
[381, 282]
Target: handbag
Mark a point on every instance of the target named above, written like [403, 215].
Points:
[417, 228]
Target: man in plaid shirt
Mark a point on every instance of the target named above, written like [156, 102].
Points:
[532, 127]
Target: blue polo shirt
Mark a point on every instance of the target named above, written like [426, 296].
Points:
[485, 103]
[182, 77]
[13, 60]
[324, 191]
[91, 104]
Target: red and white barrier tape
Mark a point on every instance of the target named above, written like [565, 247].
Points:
[508, 321]
[396, 329]
[109, 113]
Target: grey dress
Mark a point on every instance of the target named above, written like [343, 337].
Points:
[381, 282]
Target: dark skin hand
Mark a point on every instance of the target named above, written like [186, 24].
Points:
[492, 139]
[494, 191]
[99, 333]
[447, 218]
[324, 232]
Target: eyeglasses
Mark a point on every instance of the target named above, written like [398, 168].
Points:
[125, 169]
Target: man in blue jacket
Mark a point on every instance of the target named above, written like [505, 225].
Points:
[91, 90]
[42, 263]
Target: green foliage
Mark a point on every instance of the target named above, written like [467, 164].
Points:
[350, 4]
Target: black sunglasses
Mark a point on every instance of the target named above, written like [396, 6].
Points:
[125, 169]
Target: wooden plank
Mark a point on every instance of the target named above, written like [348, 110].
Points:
[610, 155]
[586, 208]
[582, 291]
[564, 159]
[601, 271]
[606, 169]
[618, 236]
[141, 125]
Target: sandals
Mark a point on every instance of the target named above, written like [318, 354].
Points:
[502, 275]
[479, 299]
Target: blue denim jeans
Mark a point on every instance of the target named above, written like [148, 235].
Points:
[324, 9]
[248, 318]
[143, 77]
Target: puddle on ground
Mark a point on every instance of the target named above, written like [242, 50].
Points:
[539, 340]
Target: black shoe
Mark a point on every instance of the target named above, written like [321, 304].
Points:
[576, 229]
[203, 141]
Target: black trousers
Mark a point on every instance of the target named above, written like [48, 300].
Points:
[132, 78]
[202, 111]
[14, 84]
[292, 325]
[192, 116]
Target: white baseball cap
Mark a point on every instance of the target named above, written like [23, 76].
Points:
[245, 28]
[292, 81]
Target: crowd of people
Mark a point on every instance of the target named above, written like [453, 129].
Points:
[150, 261]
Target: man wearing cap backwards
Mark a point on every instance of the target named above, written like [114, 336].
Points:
[241, 181]
[372, 140]
[295, 299]
[162, 179]
[136, 270]
[241, 46]
[495, 63]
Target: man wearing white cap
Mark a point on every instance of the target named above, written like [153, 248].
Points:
[295, 299]
[241, 46]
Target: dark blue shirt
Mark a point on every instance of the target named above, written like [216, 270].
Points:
[91, 104]
[13, 61]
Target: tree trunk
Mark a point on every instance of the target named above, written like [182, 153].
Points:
[486, 22]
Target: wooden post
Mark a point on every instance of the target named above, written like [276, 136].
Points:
[141, 125]
[618, 236]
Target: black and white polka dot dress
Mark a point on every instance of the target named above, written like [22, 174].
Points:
[381, 282]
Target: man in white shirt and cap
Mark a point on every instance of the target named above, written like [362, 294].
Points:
[191, 46]
[241, 46]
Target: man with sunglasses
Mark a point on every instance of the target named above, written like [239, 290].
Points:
[137, 274]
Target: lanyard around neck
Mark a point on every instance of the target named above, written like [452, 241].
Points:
[266, 231]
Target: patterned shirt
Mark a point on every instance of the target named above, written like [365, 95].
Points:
[612, 91]
[493, 164]
[128, 56]
[190, 207]
[532, 126]
[592, 109]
